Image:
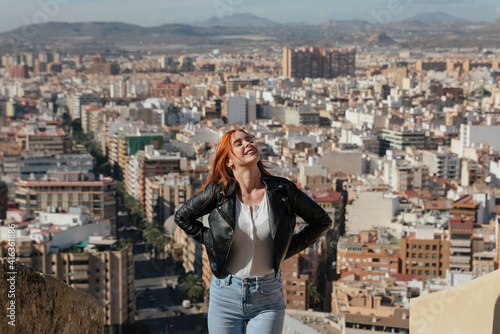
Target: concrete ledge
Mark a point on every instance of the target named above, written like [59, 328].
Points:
[44, 304]
[472, 307]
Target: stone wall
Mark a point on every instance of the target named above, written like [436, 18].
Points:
[44, 304]
[472, 307]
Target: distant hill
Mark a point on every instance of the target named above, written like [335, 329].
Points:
[240, 30]
[238, 20]
[434, 17]
[381, 39]
[495, 25]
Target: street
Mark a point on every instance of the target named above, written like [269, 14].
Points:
[158, 306]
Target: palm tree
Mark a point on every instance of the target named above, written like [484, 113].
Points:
[160, 243]
[192, 285]
[155, 237]
[313, 295]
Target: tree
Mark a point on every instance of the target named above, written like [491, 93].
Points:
[313, 295]
[192, 285]
[154, 236]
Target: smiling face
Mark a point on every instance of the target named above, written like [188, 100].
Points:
[244, 150]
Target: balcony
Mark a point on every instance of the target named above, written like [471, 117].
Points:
[460, 243]
[460, 266]
[460, 259]
[448, 311]
[458, 250]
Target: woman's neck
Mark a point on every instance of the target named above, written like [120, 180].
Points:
[249, 180]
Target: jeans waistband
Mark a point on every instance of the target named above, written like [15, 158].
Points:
[228, 278]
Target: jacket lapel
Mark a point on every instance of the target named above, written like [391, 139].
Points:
[277, 203]
[227, 208]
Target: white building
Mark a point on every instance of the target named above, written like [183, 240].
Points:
[237, 110]
[370, 209]
[442, 163]
[81, 99]
[58, 230]
[475, 134]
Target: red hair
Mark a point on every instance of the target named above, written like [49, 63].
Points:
[219, 172]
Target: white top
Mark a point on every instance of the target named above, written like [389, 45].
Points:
[252, 250]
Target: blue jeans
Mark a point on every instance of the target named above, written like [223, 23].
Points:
[256, 303]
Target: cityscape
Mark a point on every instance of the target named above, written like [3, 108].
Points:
[389, 121]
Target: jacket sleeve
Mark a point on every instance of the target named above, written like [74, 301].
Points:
[318, 222]
[197, 206]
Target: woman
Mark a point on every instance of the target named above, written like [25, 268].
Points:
[252, 221]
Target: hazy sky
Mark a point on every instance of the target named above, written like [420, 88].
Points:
[15, 13]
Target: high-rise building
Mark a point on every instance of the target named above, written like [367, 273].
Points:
[101, 66]
[78, 60]
[318, 63]
[461, 233]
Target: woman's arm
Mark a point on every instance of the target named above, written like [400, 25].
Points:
[317, 220]
[197, 206]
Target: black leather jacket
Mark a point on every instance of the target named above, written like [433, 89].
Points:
[285, 201]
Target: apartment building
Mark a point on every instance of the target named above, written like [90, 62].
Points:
[400, 139]
[403, 175]
[442, 163]
[149, 163]
[461, 233]
[130, 143]
[164, 194]
[36, 164]
[295, 279]
[425, 257]
[367, 259]
[318, 63]
[81, 253]
[465, 208]
[43, 137]
[62, 190]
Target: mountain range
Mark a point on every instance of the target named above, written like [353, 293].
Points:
[242, 30]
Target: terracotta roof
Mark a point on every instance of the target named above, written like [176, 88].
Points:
[466, 200]
[440, 204]
[395, 321]
[411, 193]
[405, 277]
[327, 196]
